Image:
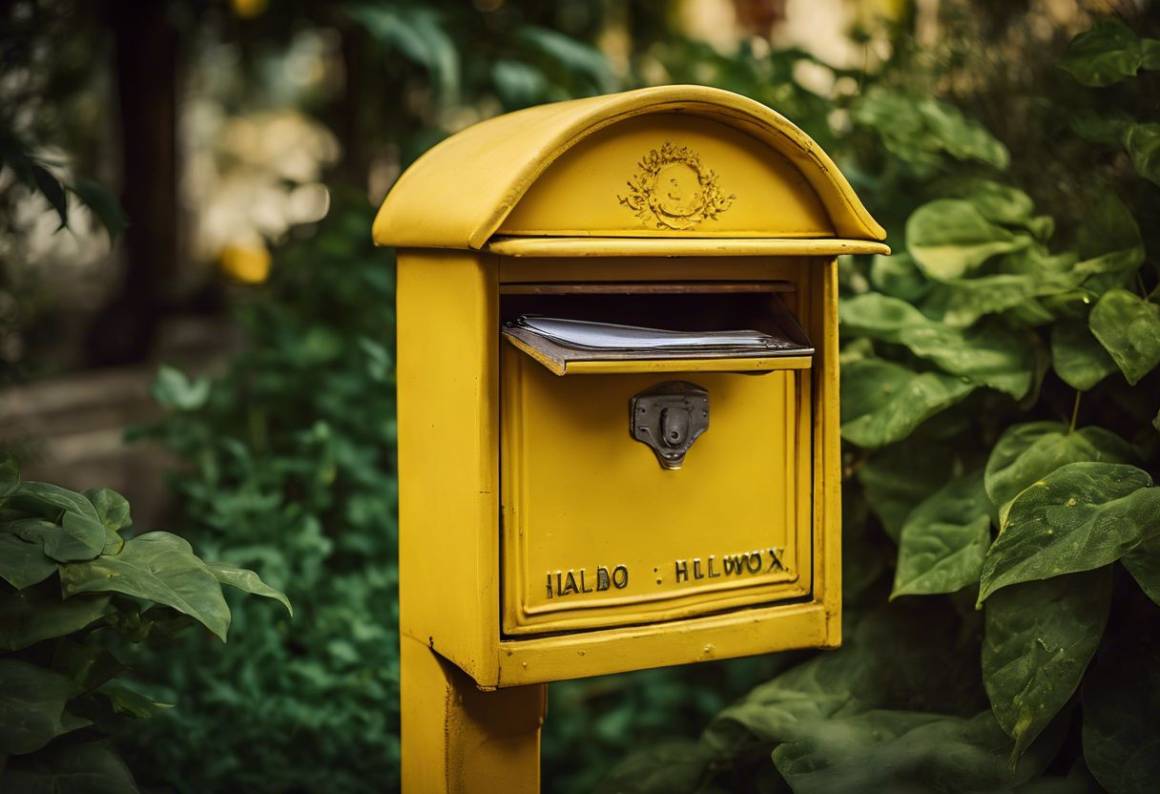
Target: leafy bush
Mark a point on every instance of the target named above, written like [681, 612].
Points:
[288, 466]
[74, 590]
[995, 376]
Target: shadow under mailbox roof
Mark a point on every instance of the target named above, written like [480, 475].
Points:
[459, 193]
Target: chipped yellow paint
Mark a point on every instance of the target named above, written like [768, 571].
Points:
[513, 479]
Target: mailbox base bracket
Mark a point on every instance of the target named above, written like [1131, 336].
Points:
[458, 739]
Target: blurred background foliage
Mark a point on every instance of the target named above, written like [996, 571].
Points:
[249, 142]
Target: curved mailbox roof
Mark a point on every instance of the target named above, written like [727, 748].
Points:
[460, 193]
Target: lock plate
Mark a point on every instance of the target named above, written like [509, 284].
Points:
[668, 418]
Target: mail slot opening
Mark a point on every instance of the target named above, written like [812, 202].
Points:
[600, 328]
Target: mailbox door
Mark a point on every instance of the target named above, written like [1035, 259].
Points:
[597, 533]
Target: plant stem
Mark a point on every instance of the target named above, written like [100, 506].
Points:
[1075, 410]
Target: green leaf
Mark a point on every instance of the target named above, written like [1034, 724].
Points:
[159, 567]
[52, 190]
[1108, 239]
[897, 478]
[884, 402]
[574, 56]
[944, 540]
[518, 84]
[23, 564]
[1105, 128]
[89, 768]
[417, 33]
[950, 238]
[1129, 329]
[1038, 640]
[248, 582]
[1029, 452]
[51, 501]
[75, 538]
[960, 302]
[1143, 144]
[174, 389]
[987, 356]
[918, 130]
[1077, 356]
[901, 751]
[32, 707]
[1106, 54]
[1143, 562]
[30, 616]
[9, 478]
[126, 700]
[103, 204]
[1002, 204]
[1121, 698]
[898, 276]
[1079, 517]
[111, 507]
[676, 766]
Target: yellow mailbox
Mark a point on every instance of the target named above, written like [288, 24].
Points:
[617, 405]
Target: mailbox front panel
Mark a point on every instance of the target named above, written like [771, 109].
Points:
[596, 533]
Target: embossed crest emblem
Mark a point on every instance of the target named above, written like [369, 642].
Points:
[673, 190]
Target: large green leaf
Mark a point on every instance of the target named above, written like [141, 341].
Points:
[1143, 562]
[76, 537]
[919, 130]
[678, 766]
[1129, 329]
[1028, 452]
[30, 616]
[51, 501]
[159, 567]
[89, 768]
[1106, 54]
[961, 302]
[248, 582]
[938, 670]
[32, 707]
[1109, 242]
[897, 478]
[945, 539]
[22, 563]
[883, 402]
[950, 238]
[990, 356]
[1121, 698]
[1079, 359]
[995, 201]
[1038, 640]
[902, 751]
[1079, 517]
[1143, 144]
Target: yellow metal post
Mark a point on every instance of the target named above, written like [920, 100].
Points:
[458, 739]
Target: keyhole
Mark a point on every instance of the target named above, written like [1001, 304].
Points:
[674, 426]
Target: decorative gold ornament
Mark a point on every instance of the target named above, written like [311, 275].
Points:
[673, 189]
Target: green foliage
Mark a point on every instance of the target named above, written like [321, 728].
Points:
[944, 539]
[74, 591]
[288, 468]
[35, 174]
[1000, 390]
[1108, 53]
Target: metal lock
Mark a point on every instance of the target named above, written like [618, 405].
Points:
[669, 417]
